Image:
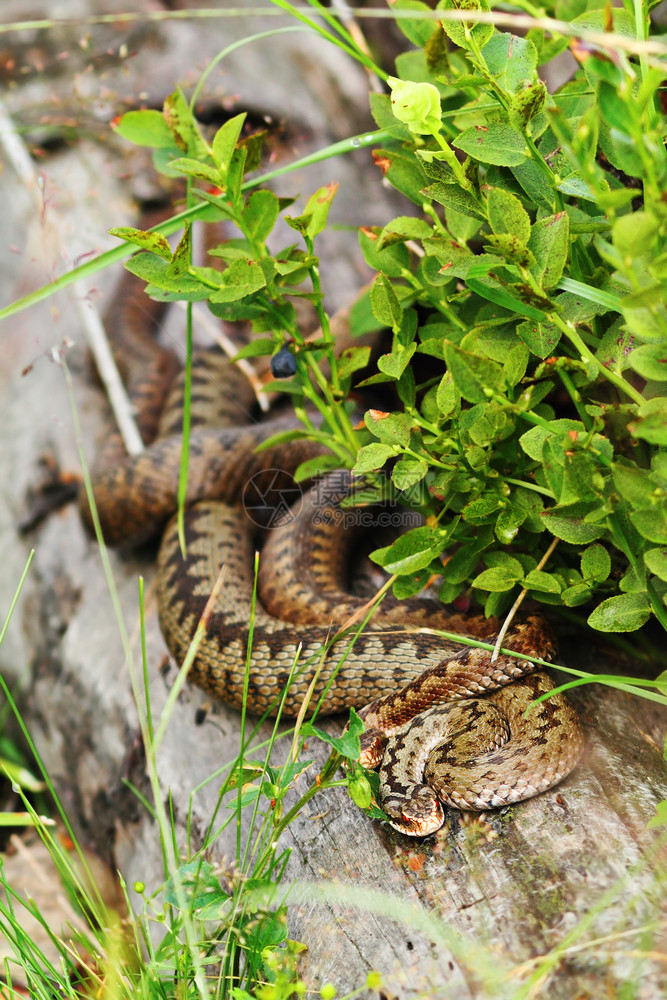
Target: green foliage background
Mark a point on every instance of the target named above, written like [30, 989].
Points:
[530, 273]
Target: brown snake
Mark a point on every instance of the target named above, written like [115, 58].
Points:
[393, 670]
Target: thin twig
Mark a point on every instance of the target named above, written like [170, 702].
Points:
[22, 163]
[517, 604]
[341, 10]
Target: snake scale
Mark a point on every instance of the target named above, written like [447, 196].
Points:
[418, 693]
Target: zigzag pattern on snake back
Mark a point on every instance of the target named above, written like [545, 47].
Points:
[391, 669]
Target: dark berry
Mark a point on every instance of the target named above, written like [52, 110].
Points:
[283, 364]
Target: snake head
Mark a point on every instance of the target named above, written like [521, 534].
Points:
[416, 813]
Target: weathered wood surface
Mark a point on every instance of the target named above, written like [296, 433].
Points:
[460, 915]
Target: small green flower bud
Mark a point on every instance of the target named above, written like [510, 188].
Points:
[417, 105]
[373, 980]
[360, 791]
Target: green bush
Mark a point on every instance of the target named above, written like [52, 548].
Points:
[532, 277]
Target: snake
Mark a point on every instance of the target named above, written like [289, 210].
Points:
[306, 635]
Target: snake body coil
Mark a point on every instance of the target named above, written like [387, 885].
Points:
[393, 670]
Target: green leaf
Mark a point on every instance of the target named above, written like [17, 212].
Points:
[569, 522]
[634, 484]
[198, 882]
[550, 243]
[348, 744]
[416, 30]
[351, 360]
[260, 214]
[507, 214]
[511, 60]
[601, 19]
[447, 396]
[508, 523]
[154, 242]
[242, 278]
[635, 234]
[413, 551]
[494, 143]
[511, 248]
[144, 128]
[405, 227]
[497, 579]
[196, 168]
[475, 377]
[453, 197]
[392, 261]
[456, 30]
[546, 583]
[256, 348]
[409, 471]
[373, 456]
[553, 461]
[614, 108]
[527, 103]
[652, 523]
[656, 561]
[577, 594]
[183, 126]
[650, 361]
[384, 302]
[533, 440]
[541, 338]
[457, 260]
[595, 563]
[224, 142]
[622, 613]
[515, 364]
[574, 185]
[621, 151]
[391, 428]
[181, 262]
[652, 425]
[153, 270]
[582, 475]
[581, 302]
[615, 347]
[457, 569]
[315, 214]
[531, 179]
[481, 507]
[394, 364]
[401, 167]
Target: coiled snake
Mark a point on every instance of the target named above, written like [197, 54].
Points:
[415, 689]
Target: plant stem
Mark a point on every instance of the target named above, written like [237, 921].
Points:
[330, 767]
[588, 357]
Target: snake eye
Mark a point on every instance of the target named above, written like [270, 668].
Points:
[283, 364]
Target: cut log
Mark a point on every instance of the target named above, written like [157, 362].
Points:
[558, 897]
